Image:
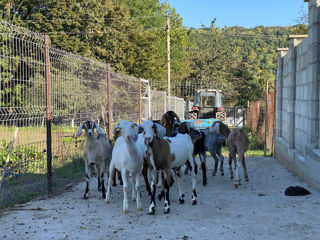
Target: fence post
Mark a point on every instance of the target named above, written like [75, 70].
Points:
[140, 98]
[265, 122]
[109, 100]
[49, 117]
[149, 102]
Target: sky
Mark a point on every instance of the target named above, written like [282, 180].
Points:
[245, 13]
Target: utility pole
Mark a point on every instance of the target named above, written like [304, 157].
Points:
[266, 121]
[168, 52]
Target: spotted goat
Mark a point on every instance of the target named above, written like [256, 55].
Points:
[166, 154]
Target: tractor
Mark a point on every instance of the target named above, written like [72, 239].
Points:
[207, 108]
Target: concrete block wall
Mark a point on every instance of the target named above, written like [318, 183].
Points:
[297, 141]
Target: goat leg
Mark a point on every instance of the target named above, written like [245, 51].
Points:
[153, 198]
[246, 178]
[145, 177]
[103, 190]
[230, 166]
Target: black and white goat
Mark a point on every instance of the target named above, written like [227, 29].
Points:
[97, 154]
[207, 142]
[166, 154]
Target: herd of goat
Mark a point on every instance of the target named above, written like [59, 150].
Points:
[153, 149]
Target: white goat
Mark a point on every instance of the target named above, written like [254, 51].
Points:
[127, 157]
[165, 154]
[160, 131]
[97, 154]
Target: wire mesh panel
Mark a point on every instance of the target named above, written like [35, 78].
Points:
[125, 97]
[22, 106]
[78, 94]
[158, 104]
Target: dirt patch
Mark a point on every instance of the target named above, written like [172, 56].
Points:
[256, 210]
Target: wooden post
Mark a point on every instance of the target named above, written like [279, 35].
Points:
[109, 101]
[265, 122]
[140, 102]
[168, 54]
[49, 117]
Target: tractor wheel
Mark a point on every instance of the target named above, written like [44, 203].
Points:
[193, 115]
[221, 116]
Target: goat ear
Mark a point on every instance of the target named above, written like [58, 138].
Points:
[135, 133]
[79, 132]
[116, 129]
[159, 130]
[138, 129]
[99, 130]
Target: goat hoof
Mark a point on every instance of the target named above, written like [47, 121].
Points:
[139, 209]
[194, 202]
[133, 199]
[222, 174]
[152, 211]
[181, 200]
[236, 185]
[167, 211]
[114, 184]
[85, 196]
[186, 171]
[125, 211]
[247, 179]
[231, 177]
[103, 196]
[204, 183]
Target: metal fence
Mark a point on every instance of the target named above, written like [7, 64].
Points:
[45, 93]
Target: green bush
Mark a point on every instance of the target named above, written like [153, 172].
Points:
[28, 157]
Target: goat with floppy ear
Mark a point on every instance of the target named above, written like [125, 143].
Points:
[127, 157]
[97, 154]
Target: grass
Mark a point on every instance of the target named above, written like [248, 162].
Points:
[25, 187]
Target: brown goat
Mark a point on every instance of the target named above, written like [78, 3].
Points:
[238, 143]
[168, 119]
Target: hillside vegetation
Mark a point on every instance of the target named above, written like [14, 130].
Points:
[130, 34]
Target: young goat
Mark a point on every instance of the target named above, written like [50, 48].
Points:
[166, 154]
[237, 142]
[160, 131]
[128, 159]
[97, 154]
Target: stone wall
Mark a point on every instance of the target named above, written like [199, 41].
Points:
[297, 142]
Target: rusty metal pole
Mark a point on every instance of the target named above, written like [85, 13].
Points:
[140, 102]
[49, 117]
[109, 101]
